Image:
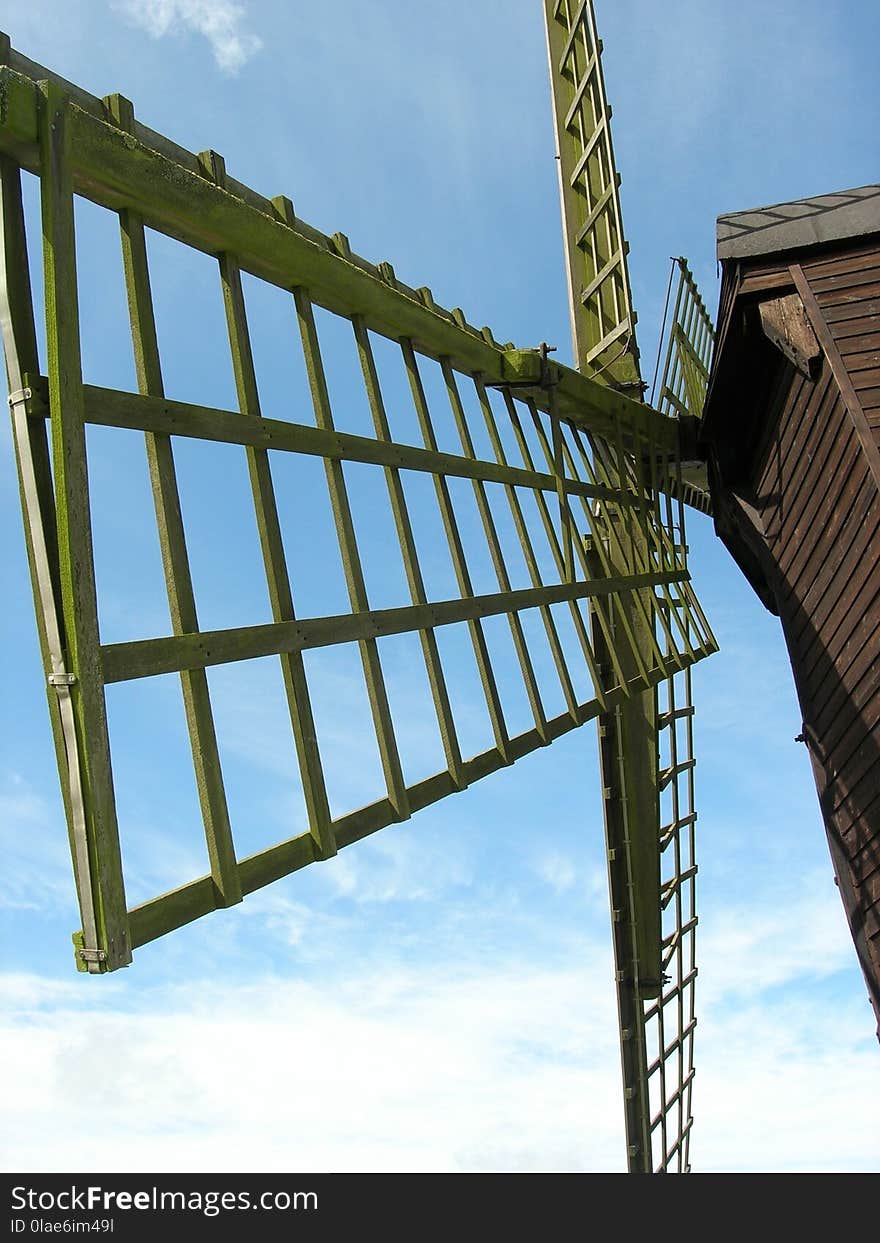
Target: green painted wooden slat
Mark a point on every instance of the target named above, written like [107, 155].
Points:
[172, 543]
[22, 362]
[640, 537]
[581, 553]
[528, 550]
[565, 518]
[148, 657]
[627, 787]
[280, 594]
[553, 541]
[140, 412]
[34, 470]
[603, 321]
[519, 641]
[664, 555]
[619, 545]
[354, 576]
[456, 551]
[76, 562]
[409, 552]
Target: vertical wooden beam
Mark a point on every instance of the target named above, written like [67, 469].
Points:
[409, 552]
[76, 562]
[553, 542]
[172, 541]
[280, 594]
[628, 769]
[528, 552]
[456, 552]
[519, 641]
[354, 575]
[31, 444]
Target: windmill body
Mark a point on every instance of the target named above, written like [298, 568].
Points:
[791, 434]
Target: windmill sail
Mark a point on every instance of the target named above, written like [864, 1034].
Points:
[687, 342]
[646, 744]
[688, 353]
[602, 317]
[541, 423]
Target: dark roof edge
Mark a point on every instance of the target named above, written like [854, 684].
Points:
[805, 222]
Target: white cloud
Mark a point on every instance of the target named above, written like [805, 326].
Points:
[460, 1070]
[221, 22]
[500, 1065]
[557, 870]
[786, 1085]
[34, 845]
[398, 867]
[758, 945]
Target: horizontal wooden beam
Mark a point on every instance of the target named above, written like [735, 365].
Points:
[173, 653]
[112, 408]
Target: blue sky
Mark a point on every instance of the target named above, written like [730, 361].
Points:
[440, 996]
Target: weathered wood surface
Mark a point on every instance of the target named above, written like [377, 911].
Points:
[799, 491]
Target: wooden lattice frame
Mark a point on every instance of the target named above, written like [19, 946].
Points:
[603, 491]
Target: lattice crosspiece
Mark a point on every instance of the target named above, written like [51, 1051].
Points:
[686, 342]
[602, 317]
[688, 339]
[539, 420]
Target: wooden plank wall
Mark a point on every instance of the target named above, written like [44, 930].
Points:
[816, 485]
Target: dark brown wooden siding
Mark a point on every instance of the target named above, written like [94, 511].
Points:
[848, 292]
[802, 499]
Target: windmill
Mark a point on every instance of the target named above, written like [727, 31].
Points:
[603, 470]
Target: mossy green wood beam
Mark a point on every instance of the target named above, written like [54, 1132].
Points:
[553, 539]
[38, 511]
[519, 640]
[628, 761]
[409, 552]
[112, 408]
[688, 353]
[145, 658]
[615, 557]
[456, 551]
[683, 610]
[119, 171]
[269, 528]
[565, 516]
[76, 563]
[636, 768]
[603, 330]
[603, 321]
[172, 543]
[181, 906]
[645, 545]
[529, 552]
[588, 566]
[351, 562]
[682, 387]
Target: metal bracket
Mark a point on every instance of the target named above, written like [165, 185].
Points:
[32, 396]
[92, 955]
[547, 377]
[61, 679]
[21, 396]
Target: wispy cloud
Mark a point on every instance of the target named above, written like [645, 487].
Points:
[500, 1065]
[221, 22]
[34, 845]
[404, 1073]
